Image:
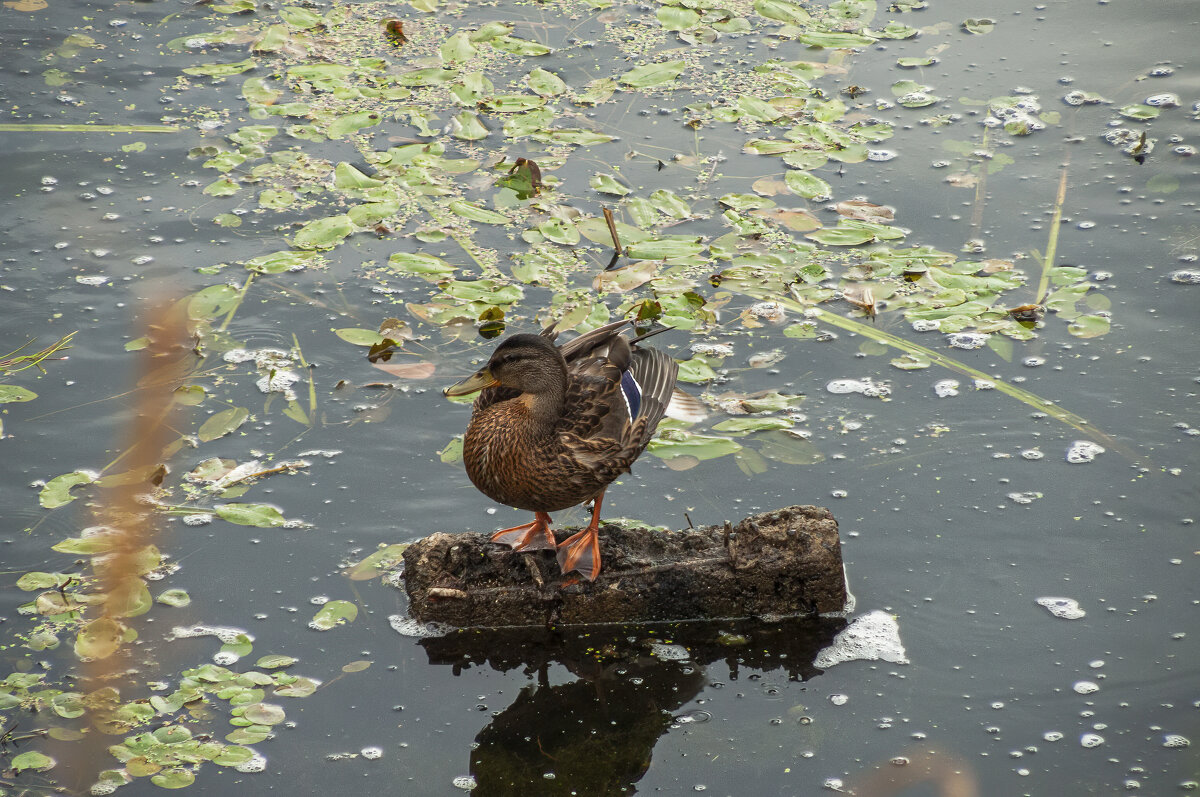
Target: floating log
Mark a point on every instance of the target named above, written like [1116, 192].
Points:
[774, 564]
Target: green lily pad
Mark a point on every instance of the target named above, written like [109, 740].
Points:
[15, 393]
[222, 423]
[545, 83]
[333, 614]
[323, 234]
[260, 515]
[608, 184]
[807, 185]
[675, 443]
[57, 491]
[651, 75]
[781, 11]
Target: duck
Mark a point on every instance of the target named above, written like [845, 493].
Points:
[553, 426]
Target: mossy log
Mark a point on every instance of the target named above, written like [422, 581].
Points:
[781, 563]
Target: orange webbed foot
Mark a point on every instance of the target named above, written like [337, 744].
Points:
[581, 552]
[531, 536]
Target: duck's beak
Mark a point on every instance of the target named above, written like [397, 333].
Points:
[477, 381]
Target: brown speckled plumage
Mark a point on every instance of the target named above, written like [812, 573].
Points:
[552, 426]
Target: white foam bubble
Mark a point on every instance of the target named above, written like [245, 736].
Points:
[872, 637]
[1064, 608]
[406, 626]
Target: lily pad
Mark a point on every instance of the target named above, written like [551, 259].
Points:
[260, 515]
[650, 75]
[333, 614]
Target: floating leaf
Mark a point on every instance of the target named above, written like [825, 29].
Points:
[98, 639]
[15, 393]
[677, 17]
[836, 41]
[57, 491]
[323, 234]
[653, 74]
[275, 661]
[283, 261]
[789, 448]
[353, 122]
[544, 83]
[222, 423]
[333, 614]
[174, 597]
[747, 424]
[376, 563]
[174, 778]
[608, 184]
[665, 247]
[806, 185]
[359, 336]
[260, 515]
[675, 443]
[473, 212]
[1139, 112]
[841, 236]
[978, 26]
[458, 48]
[1089, 326]
[31, 760]
[516, 46]
[467, 126]
[781, 10]
[421, 264]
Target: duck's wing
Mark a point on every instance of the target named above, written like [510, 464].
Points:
[616, 397]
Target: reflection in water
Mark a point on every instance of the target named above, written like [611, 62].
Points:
[595, 735]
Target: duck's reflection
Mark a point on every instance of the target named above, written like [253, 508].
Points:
[594, 735]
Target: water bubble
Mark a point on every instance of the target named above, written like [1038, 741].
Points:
[1185, 277]
[1024, 498]
[1033, 362]
[872, 637]
[1052, 736]
[945, 388]
[1091, 740]
[968, 340]
[839, 699]
[1085, 687]
[691, 717]
[833, 784]
[256, 763]
[1162, 71]
[1032, 454]
[667, 652]
[925, 325]
[92, 280]
[1175, 741]
[1184, 150]
[464, 782]
[1063, 608]
[713, 349]
[1164, 100]
[372, 753]
[406, 626]
[867, 387]
[880, 155]
[1082, 451]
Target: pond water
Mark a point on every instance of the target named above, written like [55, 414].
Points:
[959, 505]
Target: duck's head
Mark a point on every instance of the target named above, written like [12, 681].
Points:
[526, 363]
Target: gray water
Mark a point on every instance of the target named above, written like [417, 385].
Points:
[996, 690]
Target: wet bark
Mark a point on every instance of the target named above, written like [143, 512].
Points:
[782, 563]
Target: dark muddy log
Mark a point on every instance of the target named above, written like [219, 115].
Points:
[787, 562]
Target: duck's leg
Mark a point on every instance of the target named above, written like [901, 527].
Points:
[529, 536]
[581, 551]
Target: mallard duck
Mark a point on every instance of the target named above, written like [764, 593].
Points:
[555, 425]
